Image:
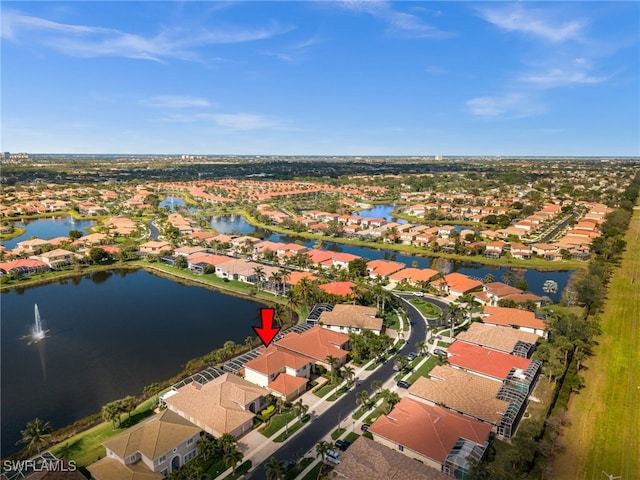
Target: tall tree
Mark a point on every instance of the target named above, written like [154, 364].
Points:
[274, 469]
[232, 457]
[35, 435]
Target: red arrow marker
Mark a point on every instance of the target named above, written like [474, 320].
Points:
[267, 331]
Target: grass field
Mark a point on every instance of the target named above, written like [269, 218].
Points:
[604, 434]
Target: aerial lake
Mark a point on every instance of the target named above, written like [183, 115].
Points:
[110, 334]
[46, 228]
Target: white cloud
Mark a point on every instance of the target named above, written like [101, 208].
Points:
[177, 101]
[537, 22]
[399, 22]
[243, 121]
[511, 105]
[91, 41]
[572, 73]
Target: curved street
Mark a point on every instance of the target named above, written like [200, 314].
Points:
[340, 410]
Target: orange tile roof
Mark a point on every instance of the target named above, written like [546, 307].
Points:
[316, 343]
[295, 277]
[483, 360]
[429, 430]
[287, 384]
[384, 267]
[273, 359]
[461, 283]
[342, 289]
[414, 274]
[513, 317]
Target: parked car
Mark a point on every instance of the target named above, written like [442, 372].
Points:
[343, 444]
[403, 384]
[364, 427]
[412, 356]
[289, 464]
[439, 351]
[332, 459]
[419, 294]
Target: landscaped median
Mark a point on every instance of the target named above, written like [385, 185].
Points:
[427, 309]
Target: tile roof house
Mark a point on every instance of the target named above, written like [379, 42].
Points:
[155, 247]
[351, 318]
[457, 284]
[488, 363]
[149, 450]
[504, 339]
[283, 372]
[341, 289]
[414, 276]
[374, 461]
[26, 266]
[226, 404]
[515, 317]
[433, 435]
[383, 268]
[462, 392]
[317, 343]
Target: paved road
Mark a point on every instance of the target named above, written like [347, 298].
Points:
[153, 230]
[328, 421]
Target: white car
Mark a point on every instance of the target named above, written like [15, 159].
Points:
[332, 456]
[419, 294]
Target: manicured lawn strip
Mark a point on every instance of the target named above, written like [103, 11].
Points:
[423, 370]
[337, 432]
[86, 447]
[299, 468]
[276, 423]
[313, 473]
[375, 414]
[324, 390]
[292, 429]
[240, 470]
[605, 417]
[351, 437]
[341, 391]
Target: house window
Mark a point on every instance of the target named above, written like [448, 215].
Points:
[401, 448]
[190, 441]
[162, 459]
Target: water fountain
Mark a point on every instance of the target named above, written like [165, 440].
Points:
[37, 333]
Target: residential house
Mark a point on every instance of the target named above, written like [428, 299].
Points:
[160, 445]
[348, 318]
[317, 343]
[516, 318]
[155, 247]
[283, 372]
[226, 404]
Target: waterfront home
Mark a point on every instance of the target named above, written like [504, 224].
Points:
[347, 318]
[160, 445]
[414, 276]
[317, 343]
[515, 318]
[197, 263]
[520, 251]
[340, 289]
[121, 226]
[433, 435]
[155, 247]
[226, 404]
[283, 372]
[190, 251]
[57, 258]
[24, 266]
[372, 460]
[494, 249]
[32, 245]
[383, 268]
[457, 284]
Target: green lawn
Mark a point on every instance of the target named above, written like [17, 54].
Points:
[427, 309]
[292, 429]
[424, 370]
[351, 437]
[86, 447]
[604, 431]
[313, 473]
[276, 423]
[324, 390]
[337, 432]
[298, 469]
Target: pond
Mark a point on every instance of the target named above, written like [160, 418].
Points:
[110, 334]
[381, 211]
[172, 201]
[46, 228]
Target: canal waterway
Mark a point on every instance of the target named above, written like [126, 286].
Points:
[534, 278]
[111, 334]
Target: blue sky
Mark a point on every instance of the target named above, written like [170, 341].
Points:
[324, 78]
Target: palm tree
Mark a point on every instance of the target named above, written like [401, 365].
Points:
[227, 442]
[349, 373]
[260, 276]
[207, 447]
[128, 405]
[292, 303]
[35, 435]
[274, 280]
[232, 458]
[285, 275]
[362, 398]
[321, 448]
[333, 363]
[300, 409]
[391, 399]
[377, 386]
[274, 469]
[305, 290]
[111, 413]
[421, 347]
